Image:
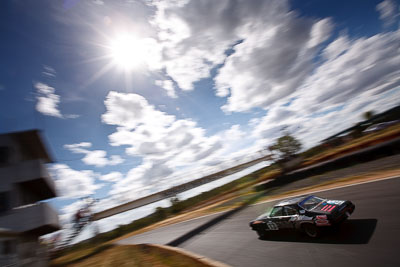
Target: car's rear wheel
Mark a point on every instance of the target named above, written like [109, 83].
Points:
[310, 230]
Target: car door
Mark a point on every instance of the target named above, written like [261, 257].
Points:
[283, 217]
[290, 216]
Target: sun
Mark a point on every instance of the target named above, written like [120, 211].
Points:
[127, 51]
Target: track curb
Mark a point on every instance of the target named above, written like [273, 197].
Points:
[204, 260]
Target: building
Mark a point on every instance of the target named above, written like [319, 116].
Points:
[24, 184]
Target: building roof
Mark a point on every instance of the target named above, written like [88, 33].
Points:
[32, 143]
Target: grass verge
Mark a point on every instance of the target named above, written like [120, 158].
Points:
[355, 145]
[320, 186]
[128, 255]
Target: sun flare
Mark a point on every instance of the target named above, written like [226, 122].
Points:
[128, 52]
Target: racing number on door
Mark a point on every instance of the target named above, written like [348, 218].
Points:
[272, 226]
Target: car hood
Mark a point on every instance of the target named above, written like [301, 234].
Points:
[262, 216]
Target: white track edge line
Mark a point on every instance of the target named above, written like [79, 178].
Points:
[322, 190]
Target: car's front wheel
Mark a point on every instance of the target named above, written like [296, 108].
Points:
[262, 233]
[310, 230]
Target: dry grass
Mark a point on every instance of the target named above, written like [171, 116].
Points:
[75, 255]
[129, 255]
[335, 183]
[356, 144]
[307, 190]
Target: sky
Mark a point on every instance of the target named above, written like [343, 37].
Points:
[134, 97]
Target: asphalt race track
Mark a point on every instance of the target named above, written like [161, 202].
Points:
[371, 237]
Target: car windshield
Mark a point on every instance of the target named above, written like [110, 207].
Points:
[310, 202]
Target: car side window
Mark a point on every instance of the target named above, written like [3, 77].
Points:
[276, 211]
[289, 211]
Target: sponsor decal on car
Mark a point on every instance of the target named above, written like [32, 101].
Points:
[272, 226]
[328, 208]
[322, 220]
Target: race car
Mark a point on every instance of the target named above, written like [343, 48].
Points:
[308, 214]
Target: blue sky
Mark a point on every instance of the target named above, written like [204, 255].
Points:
[137, 96]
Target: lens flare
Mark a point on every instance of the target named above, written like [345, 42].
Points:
[128, 51]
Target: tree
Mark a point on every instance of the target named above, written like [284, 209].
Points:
[176, 205]
[160, 213]
[368, 115]
[284, 149]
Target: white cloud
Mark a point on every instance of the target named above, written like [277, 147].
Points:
[49, 71]
[47, 105]
[269, 65]
[387, 12]
[193, 41]
[96, 158]
[115, 160]
[168, 85]
[174, 152]
[164, 143]
[70, 210]
[272, 56]
[78, 148]
[365, 66]
[143, 125]
[47, 100]
[272, 51]
[320, 32]
[140, 180]
[98, 2]
[72, 116]
[336, 48]
[72, 183]
[311, 128]
[355, 76]
[67, 218]
[131, 110]
[234, 133]
[112, 177]
[44, 88]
